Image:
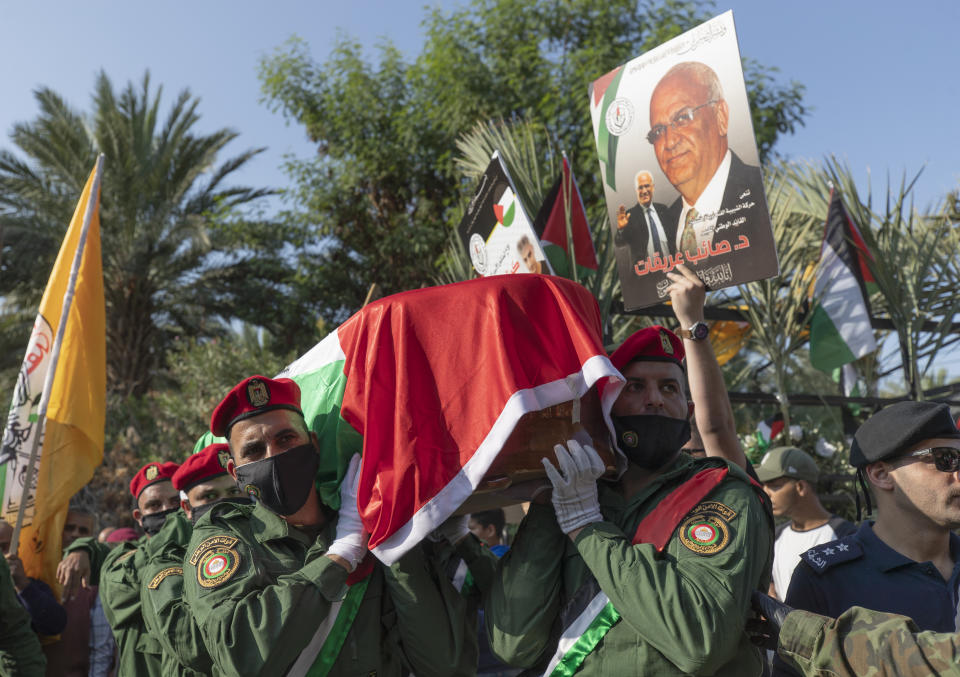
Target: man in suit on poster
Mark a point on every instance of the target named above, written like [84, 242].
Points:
[644, 228]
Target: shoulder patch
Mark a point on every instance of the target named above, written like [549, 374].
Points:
[705, 533]
[217, 566]
[823, 557]
[715, 508]
[226, 542]
[171, 571]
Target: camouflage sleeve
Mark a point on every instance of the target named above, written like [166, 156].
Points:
[864, 642]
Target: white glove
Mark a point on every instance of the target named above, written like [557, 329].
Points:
[452, 530]
[575, 485]
[351, 541]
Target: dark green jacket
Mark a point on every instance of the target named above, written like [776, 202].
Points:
[166, 615]
[682, 611]
[20, 653]
[260, 589]
[138, 652]
[862, 643]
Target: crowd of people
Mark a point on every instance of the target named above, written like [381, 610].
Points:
[665, 569]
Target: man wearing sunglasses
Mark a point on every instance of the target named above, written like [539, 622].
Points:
[906, 561]
[689, 118]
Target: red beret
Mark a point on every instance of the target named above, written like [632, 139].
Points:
[122, 534]
[656, 343]
[251, 397]
[211, 461]
[149, 474]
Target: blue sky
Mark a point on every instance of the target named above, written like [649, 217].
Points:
[881, 77]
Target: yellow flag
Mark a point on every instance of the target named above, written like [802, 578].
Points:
[727, 338]
[71, 446]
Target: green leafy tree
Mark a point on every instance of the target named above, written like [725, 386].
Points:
[164, 423]
[168, 219]
[383, 190]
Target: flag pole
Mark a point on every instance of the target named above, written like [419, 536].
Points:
[92, 203]
[566, 185]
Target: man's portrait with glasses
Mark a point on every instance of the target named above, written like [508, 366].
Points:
[678, 118]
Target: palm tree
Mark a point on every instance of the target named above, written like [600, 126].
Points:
[163, 205]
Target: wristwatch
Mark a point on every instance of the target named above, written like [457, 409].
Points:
[697, 332]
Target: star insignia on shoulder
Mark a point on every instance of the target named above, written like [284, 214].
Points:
[842, 547]
[828, 551]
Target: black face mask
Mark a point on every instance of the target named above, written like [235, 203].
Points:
[282, 482]
[650, 441]
[201, 510]
[153, 523]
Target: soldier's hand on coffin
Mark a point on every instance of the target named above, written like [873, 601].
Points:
[72, 572]
[351, 543]
[687, 294]
[575, 485]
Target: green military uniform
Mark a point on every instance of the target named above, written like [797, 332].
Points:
[864, 643]
[260, 591]
[20, 652]
[165, 613]
[680, 612]
[138, 652]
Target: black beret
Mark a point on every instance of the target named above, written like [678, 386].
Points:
[893, 430]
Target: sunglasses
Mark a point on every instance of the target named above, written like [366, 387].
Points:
[946, 459]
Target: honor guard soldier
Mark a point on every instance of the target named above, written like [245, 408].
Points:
[651, 574]
[285, 587]
[139, 653]
[202, 482]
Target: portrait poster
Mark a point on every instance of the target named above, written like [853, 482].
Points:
[680, 168]
[496, 229]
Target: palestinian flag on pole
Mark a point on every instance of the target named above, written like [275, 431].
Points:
[861, 253]
[563, 207]
[840, 330]
[430, 384]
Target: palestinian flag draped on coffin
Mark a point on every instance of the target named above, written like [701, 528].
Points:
[430, 383]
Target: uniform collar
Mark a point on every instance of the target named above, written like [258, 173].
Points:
[269, 526]
[611, 496]
[886, 558]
